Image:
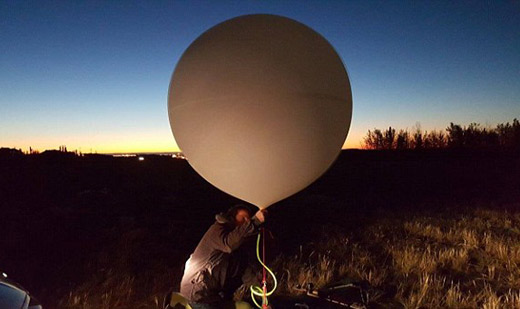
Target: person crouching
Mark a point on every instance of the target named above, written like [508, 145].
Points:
[212, 267]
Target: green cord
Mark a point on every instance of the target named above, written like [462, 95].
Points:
[256, 290]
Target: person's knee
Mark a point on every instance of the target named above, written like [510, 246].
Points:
[236, 305]
[242, 305]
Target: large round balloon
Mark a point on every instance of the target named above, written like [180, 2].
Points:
[261, 106]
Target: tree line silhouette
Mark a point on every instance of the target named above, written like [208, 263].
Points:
[473, 136]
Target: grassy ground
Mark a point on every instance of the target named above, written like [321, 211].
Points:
[460, 257]
[103, 232]
[468, 259]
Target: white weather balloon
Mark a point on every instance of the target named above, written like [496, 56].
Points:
[261, 106]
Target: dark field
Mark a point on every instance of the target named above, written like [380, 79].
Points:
[436, 228]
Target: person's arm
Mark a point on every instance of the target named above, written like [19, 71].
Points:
[231, 240]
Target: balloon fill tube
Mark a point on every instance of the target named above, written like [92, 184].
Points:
[262, 292]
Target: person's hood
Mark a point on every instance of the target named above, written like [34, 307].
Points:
[222, 219]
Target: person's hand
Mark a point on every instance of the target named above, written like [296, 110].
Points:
[260, 215]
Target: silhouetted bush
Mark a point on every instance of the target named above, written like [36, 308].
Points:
[509, 134]
[435, 139]
[403, 140]
[417, 139]
[374, 140]
[474, 136]
[10, 152]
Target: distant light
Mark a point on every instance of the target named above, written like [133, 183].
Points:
[178, 155]
[5, 275]
[141, 158]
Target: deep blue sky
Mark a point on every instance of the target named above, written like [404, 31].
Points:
[95, 74]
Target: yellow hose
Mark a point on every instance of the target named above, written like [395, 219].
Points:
[257, 290]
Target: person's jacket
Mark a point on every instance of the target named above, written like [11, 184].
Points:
[207, 268]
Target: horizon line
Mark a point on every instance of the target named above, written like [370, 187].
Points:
[36, 151]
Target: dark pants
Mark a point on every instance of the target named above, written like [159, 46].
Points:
[223, 305]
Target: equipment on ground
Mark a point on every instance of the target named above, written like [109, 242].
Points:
[344, 294]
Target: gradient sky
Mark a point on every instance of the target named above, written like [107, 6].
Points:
[94, 75]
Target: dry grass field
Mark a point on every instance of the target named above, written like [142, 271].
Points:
[452, 259]
[442, 260]
[423, 229]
